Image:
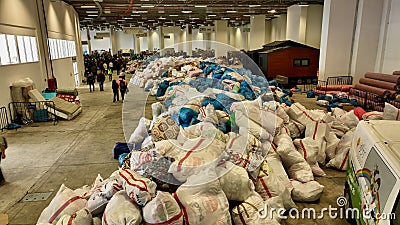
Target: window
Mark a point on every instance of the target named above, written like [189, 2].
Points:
[28, 49]
[21, 49]
[4, 56]
[301, 62]
[12, 48]
[35, 53]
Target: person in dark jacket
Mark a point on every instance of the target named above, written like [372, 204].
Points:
[101, 78]
[3, 147]
[115, 89]
[91, 81]
[123, 86]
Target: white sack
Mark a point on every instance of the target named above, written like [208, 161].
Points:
[309, 149]
[163, 209]
[306, 192]
[140, 133]
[82, 217]
[66, 202]
[202, 200]
[122, 211]
[235, 182]
[139, 189]
[342, 152]
[390, 112]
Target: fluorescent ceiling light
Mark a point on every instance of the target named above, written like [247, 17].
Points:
[93, 15]
[225, 18]
[231, 11]
[161, 11]
[127, 18]
[150, 20]
[247, 15]
[252, 6]
[272, 11]
[173, 15]
[186, 11]
[200, 6]
[147, 6]
[195, 18]
[162, 18]
[121, 20]
[91, 12]
[107, 11]
[135, 15]
[301, 4]
[139, 11]
[211, 15]
[87, 6]
[181, 20]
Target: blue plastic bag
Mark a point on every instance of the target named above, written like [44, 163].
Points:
[311, 94]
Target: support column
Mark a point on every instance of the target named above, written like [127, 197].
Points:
[88, 40]
[257, 32]
[137, 44]
[189, 38]
[221, 35]
[161, 39]
[366, 38]
[113, 40]
[149, 41]
[207, 38]
[337, 37]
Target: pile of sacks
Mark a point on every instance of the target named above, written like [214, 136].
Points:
[212, 155]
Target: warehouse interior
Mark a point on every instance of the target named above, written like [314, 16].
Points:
[329, 66]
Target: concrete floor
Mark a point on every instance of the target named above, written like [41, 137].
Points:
[41, 157]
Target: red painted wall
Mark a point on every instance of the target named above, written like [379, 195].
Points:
[281, 63]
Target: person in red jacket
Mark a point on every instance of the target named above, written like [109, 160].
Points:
[123, 86]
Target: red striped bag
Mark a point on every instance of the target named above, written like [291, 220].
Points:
[121, 210]
[162, 210]
[141, 190]
[251, 212]
[66, 202]
[82, 217]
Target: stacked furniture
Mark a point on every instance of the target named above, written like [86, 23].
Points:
[334, 85]
[374, 89]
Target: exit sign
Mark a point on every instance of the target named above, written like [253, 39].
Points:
[246, 29]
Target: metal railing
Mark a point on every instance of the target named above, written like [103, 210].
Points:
[3, 118]
[30, 112]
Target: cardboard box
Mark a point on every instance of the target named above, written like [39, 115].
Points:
[3, 219]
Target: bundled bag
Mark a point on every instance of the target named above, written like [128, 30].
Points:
[82, 217]
[275, 163]
[268, 186]
[198, 154]
[164, 128]
[332, 143]
[296, 129]
[102, 194]
[234, 182]
[309, 149]
[342, 152]
[66, 202]
[84, 192]
[319, 131]
[300, 114]
[140, 190]
[122, 211]
[390, 112]
[306, 192]
[163, 209]
[248, 213]
[139, 160]
[293, 161]
[202, 200]
[374, 115]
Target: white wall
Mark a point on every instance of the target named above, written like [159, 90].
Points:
[99, 44]
[143, 44]
[169, 41]
[21, 17]
[336, 37]
[391, 51]
[278, 28]
[155, 38]
[268, 31]
[197, 39]
[124, 41]
[366, 38]
[293, 23]
[314, 25]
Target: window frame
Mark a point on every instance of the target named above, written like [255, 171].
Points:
[300, 62]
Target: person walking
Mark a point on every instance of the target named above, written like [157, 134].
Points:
[115, 89]
[91, 81]
[101, 78]
[123, 87]
[3, 147]
[105, 66]
[110, 74]
[111, 65]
